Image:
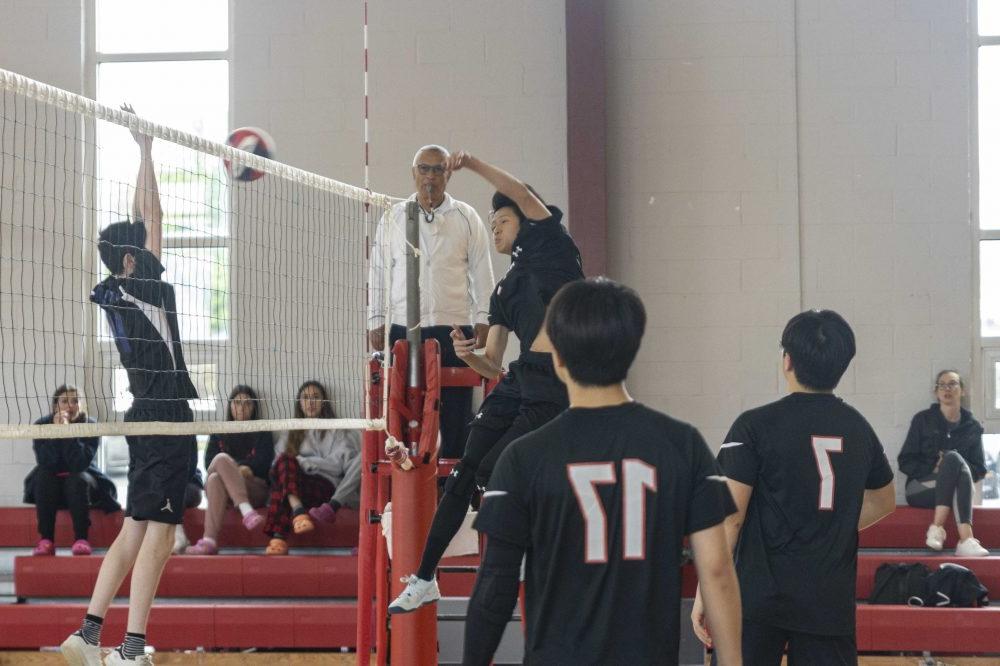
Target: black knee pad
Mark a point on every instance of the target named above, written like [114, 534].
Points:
[461, 482]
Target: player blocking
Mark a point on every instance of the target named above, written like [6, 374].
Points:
[599, 501]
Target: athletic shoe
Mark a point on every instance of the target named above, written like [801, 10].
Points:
[418, 592]
[115, 658]
[252, 520]
[323, 513]
[79, 652]
[203, 547]
[971, 548]
[935, 537]
[180, 541]
[81, 547]
[44, 547]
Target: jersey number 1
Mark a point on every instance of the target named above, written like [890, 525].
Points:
[638, 476]
[822, 448]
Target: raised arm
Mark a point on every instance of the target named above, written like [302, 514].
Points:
[505, 183]
[146, 203]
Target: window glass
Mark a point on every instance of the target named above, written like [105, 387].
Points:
[989, 17]
[989, 288]
[155, 26]
[989, 137]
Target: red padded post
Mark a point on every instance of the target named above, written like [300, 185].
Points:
[367, 530]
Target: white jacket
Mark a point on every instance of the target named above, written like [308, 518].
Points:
[334, 452]
[456, 273]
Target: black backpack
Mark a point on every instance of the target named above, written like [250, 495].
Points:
[900, 584]
[955, 585]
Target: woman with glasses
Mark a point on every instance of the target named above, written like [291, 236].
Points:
[942, 459]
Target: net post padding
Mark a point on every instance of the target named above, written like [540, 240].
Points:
[414, 498]
[371, 444]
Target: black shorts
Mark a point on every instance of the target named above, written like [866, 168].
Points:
[159, 469]
[764, 645]
[503, 418]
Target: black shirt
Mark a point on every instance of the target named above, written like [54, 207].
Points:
[931, 433]
[157, 375]
[601, 499]
[253, 449]
[543, 259]
[809, 458]
[72, 454]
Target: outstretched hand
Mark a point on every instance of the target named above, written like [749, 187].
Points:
[144, 140]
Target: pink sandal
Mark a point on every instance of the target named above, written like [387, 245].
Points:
[252, 521]
[203, 547]
[44, 547]
[81, 547]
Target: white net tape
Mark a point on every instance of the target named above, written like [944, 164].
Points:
[269, 275]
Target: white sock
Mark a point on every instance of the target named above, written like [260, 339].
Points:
[245, 508]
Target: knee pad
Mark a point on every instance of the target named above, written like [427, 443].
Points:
[461, 482]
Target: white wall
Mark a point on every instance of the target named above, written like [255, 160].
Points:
[768, 157]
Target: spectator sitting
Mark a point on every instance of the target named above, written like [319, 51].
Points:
[942, 459]
[66, 477]
[309, 466]
[237, 465]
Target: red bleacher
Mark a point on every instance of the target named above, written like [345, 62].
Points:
[18, 529]
[287, 600]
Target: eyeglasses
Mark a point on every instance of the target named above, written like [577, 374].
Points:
[950, 386]
[436, 169]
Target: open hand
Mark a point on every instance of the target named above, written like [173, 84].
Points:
[144, 140]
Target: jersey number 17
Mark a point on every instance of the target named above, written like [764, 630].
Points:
[637, 477]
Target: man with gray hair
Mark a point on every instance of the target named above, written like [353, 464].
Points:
[456, 280]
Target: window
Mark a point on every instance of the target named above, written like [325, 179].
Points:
[170, 61]
[988, 202]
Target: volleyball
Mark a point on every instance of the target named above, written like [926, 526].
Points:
[252, 140]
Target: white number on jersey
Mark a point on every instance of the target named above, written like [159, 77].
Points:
[822, 448]
[638, 476]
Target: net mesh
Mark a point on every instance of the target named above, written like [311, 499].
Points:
[269, 274]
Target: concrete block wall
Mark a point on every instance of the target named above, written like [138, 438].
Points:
[768, 157]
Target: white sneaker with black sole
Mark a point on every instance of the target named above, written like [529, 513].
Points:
[418, 592]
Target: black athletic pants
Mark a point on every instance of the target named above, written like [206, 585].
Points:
[53, 491]
[456, 402]
[950, 486]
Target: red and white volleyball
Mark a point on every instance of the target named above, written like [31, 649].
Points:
[252, 140]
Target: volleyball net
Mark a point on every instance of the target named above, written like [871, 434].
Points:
[269, 274]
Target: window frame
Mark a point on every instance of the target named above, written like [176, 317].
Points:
[987, 348]
[101, 355]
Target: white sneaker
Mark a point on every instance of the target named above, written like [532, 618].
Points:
[79, 652]
[115, 658]
[180, 541]
[971, 548]
[418, 593]
[935, 537]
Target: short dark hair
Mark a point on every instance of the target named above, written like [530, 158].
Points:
[118, 239]
[937, 378]
[254, 401]
[501, 200]
[596, 326]
[821, 346]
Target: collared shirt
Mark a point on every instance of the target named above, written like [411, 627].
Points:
[456, 274]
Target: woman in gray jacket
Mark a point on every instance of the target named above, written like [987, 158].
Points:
[310, 467]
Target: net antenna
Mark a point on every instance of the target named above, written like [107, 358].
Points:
[270, 275]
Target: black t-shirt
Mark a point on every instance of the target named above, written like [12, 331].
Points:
[809, 458]
[157, 375]
[601, 499]
[544, 258]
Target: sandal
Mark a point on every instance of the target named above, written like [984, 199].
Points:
[277, 547]
[302, 523]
